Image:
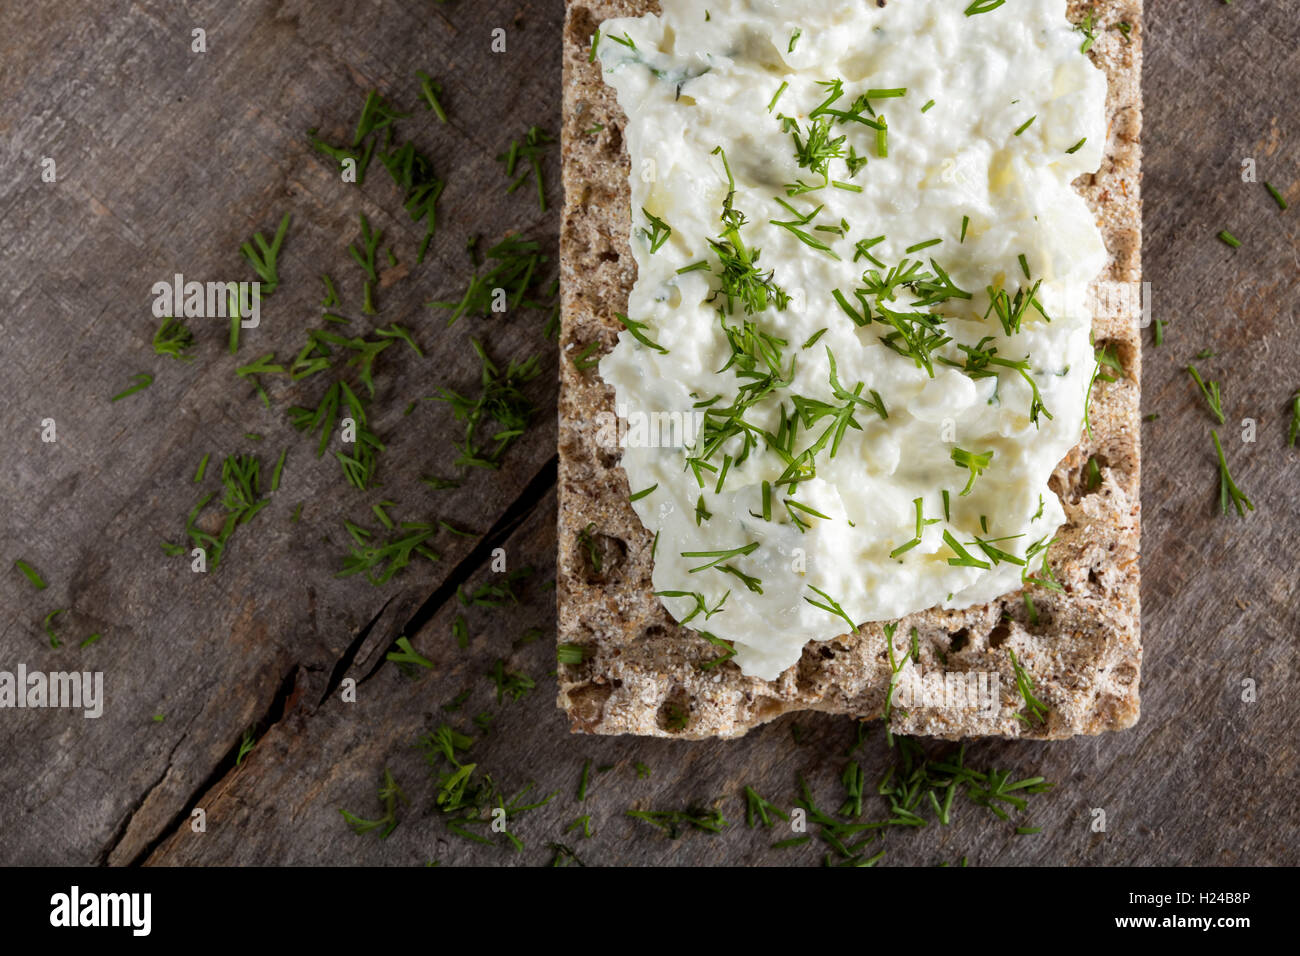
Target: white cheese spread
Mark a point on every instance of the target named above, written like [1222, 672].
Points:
[879, 333]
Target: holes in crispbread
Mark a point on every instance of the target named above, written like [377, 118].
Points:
[959, 640]
[582, 27]
[600, 555]
[587, 703]
[1112, 352]
[608, 459]
[674, 714]
[1089, 478]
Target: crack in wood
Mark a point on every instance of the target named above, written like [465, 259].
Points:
[124, 827]
[506, 525]
[349, 655]
[276, 710]
[510, 520]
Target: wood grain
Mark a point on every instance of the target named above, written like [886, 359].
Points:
[168, 160]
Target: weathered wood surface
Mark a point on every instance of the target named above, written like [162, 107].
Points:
[168, 160]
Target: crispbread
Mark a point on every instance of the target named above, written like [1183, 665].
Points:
[641, 671]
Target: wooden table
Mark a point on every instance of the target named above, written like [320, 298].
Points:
[167, 159]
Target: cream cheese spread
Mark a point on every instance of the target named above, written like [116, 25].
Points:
[861, 291]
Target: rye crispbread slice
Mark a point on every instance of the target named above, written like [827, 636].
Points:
[641, 673]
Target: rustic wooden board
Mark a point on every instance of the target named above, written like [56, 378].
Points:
[168, 160]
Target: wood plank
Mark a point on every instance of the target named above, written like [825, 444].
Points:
[1196, 735]
[167, 161]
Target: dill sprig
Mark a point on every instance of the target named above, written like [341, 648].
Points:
[495, 592]
[1277, 196]
[515, 267]
[570, 654]
[421, 187]
[1034, 707]
[430, 89]
[410, 169]
[974, 462]
[847, 840]
[921, 522]
[983, 361]
[501, 399]
[676, 822]
[587, 358]
[658, 233]
[407, 657]
[831, 607]
[264, 256]
[263, 365]
[509, 683]
[31, 574]
[637, 330]
[740, 279]
[757, 808]
[917, 789]
[247, 744]
[141, 381]
[701, 604]
[531, 150]
[1228, 490]
[728, 650]
[1045, 578]
[47, 625]
[1210, 390]
[242, 500]
[175, 339]
[359, 465]
[370, 243]
[792, 226]
[1084, 26]
[380, 560]
[390, 794]
[376, 114]
[468, 798]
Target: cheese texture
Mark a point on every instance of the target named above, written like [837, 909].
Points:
[954, 374]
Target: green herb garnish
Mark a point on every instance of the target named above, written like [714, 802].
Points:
[501, 399]
[676, 822]
[431, 90]
[1210, 390]
[174, 338]
[1036, 709]
[142, 381]
[1277, 196]
[1228, 490]
[637, 331]
[389, 795]
[658, 232]
[264, 256]
[831, 606]
[975, 462]
[534, 145]
[31, 574]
